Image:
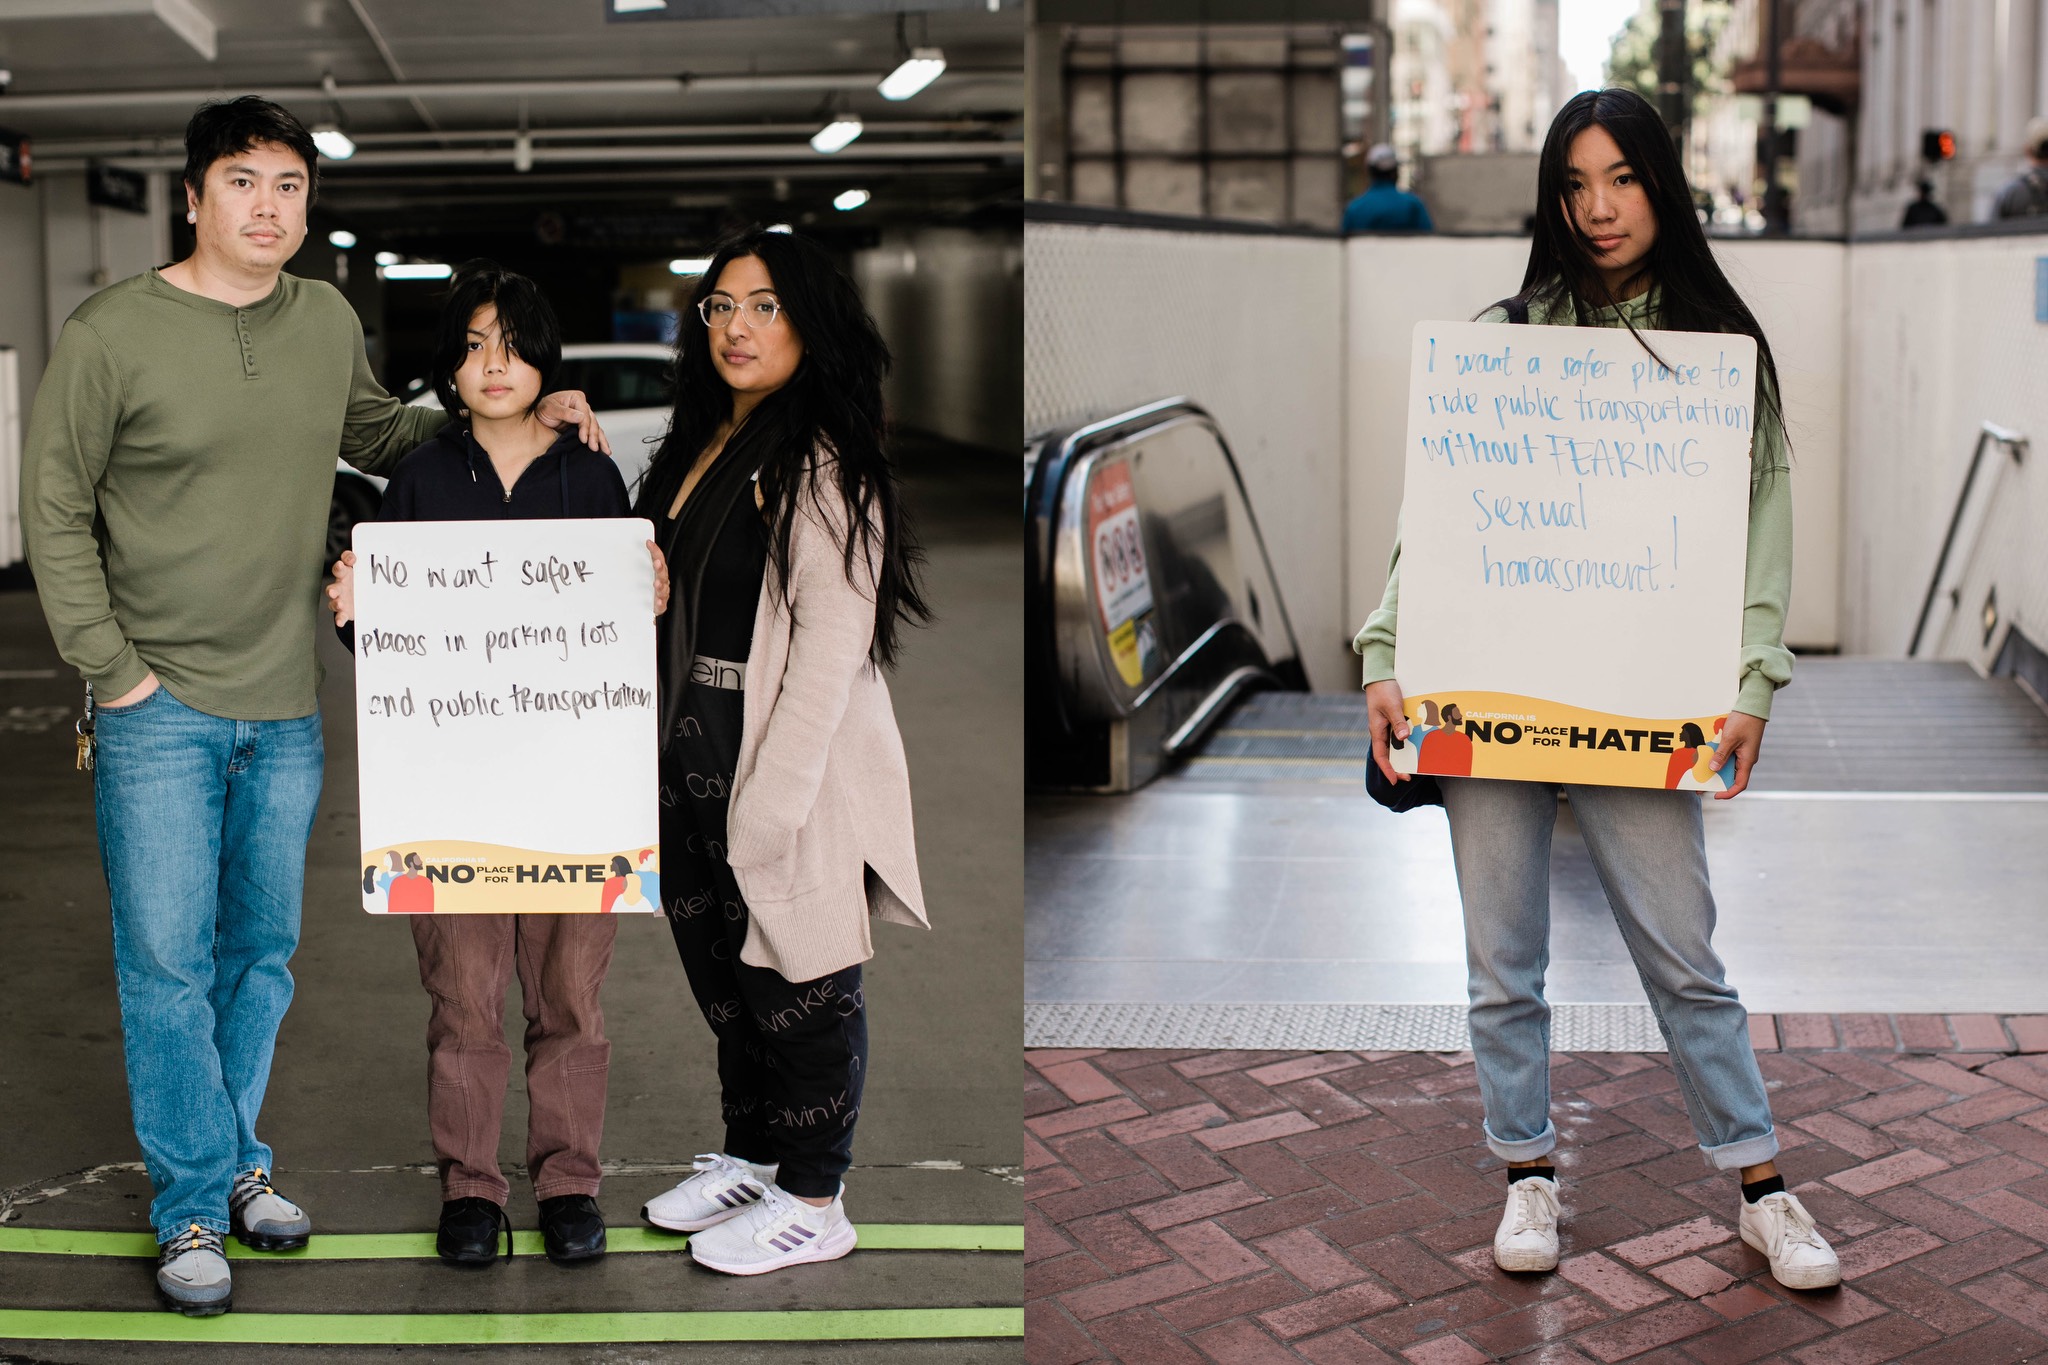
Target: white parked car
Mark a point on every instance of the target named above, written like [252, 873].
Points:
[628, 386]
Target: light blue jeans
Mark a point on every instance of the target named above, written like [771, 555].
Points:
[1650, 851]
[203, 825]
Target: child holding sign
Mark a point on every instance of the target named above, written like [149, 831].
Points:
[1617, 245]
[785, 797]
[497, 354]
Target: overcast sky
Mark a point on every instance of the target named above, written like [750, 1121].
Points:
[1585, 35]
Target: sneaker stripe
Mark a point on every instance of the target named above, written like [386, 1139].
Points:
[802, 1231]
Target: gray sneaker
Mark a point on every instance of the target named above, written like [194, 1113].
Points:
[192, 1273]
[262, 1218]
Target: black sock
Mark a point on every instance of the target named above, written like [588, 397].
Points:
[1753, 1190]
[1524, 1172]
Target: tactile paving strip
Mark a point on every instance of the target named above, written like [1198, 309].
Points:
[1320, 1027]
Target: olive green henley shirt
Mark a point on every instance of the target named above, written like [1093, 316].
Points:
[1765, 665]
[176, 480]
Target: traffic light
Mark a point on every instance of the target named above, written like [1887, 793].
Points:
[1937, 144]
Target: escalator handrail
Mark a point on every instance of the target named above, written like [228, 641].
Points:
[1059, 454]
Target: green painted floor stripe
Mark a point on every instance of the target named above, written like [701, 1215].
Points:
[449, 1329]
[420, 1245]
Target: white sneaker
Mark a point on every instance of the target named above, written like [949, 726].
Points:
[192, 1274]
[1779, 1227]
[721, 1188]
[1527, 1236]
[262, 1218]
[780, 1230]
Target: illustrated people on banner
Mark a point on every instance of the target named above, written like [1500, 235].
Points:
[411, 893]
[1617, 244]
[780, 513]
[496, 353]
[377, 880]
[164, 496]
[650, 880]
[1448, 749]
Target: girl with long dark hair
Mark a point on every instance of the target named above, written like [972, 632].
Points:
[1617, 244]
[785, 797]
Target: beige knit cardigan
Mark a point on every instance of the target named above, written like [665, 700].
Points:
[819, 834]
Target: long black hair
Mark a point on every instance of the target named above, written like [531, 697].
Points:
[828, 414]
[1695, 295]
[526, 322]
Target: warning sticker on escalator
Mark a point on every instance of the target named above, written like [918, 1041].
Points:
[1123, 588]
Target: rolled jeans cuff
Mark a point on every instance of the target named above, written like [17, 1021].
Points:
[1527, 1149]
[1749, 1151]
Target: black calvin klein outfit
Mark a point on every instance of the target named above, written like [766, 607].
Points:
[791, 1055]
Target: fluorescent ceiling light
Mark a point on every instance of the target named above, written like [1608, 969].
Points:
[689, 266]
[835, 134]
[780, 227]
[919, 69]
[637, 6]
[388, 258]
[417, 270]
[342, 238]
[334, 144]
[850, 199]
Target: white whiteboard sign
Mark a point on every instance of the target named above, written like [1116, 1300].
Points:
[1573, 539]
[505, 716]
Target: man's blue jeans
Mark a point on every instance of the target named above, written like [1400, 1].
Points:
[1649, 848]
[203, 825]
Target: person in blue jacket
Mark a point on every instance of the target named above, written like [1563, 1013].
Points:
[1385, 206]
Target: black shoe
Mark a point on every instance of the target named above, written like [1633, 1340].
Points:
[572, 1229]
[469, 1232]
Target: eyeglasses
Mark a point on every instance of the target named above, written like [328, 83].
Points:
[757, 313]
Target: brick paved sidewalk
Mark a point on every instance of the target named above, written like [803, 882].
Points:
[1338, 1208]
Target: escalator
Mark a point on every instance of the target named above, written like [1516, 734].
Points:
[1151, 605]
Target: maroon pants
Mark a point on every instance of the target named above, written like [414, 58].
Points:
[466, 962]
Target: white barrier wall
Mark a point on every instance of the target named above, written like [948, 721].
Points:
[1299, 346]
[1248, 326]
[1794, 288]
[1945, 339]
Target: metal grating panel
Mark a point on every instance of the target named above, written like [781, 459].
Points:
[1320, 1027]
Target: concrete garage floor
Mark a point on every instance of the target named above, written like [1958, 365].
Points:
[346, 1114]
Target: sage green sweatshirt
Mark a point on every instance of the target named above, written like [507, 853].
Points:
[1766, 665]
[175, 486]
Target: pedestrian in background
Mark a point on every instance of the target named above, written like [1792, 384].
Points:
[2026, 196]
[1617, 244]
[1385, 206]
[1923, 211]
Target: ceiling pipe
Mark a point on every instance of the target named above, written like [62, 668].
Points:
[491, 156]
[167, 145]
[448, 90]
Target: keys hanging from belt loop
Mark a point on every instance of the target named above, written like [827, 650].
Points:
[85, 734]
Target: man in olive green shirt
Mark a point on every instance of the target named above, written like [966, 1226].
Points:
[174, 496]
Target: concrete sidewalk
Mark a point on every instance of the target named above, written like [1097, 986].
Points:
[1338, 1208]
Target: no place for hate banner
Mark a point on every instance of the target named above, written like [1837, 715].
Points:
[505, 717]
[1573, 537]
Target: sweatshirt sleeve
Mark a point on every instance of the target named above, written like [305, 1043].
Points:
[378, 429]
[71, 433]
[1376, 640]
[1767, 572]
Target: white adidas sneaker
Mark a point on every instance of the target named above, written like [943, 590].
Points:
[722, 1187]
[777, 1231]
[1779, 1227]
[1527, 1236]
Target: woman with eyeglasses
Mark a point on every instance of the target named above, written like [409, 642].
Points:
[785, 796]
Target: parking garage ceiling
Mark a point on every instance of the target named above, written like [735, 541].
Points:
[470, 109]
